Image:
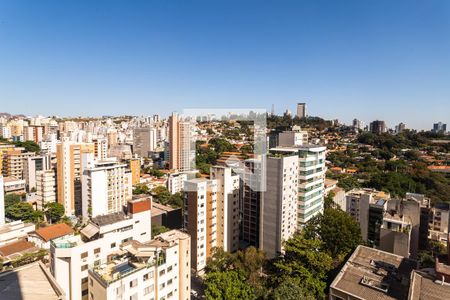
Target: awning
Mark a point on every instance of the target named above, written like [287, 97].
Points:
[90, 230]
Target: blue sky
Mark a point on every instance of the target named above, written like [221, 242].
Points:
[385, 60]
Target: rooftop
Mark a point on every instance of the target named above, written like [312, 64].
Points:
[423, 286]
[17, 248]
[30, 282]
[109, 219]
[374, 274]
[54, 231]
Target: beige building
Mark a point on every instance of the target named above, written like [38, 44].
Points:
[14, 161]
[180, 156]
[69, 170]
[45, 188]
[200, 219]
[227, 207]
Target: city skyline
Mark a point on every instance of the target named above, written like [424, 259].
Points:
[347, 60]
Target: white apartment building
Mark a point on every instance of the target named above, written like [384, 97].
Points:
[100, 148]
[72, 256]
[175, 182]
[279, 205]
[228, 193]
[200, 219]
[311, 179]
[158, 269]
[45, 188]
[32, 165]
[106, 186]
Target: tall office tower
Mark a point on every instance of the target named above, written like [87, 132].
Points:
[200, 219]
[377, 127]
[311, 179]
[250, 205]
[144, 140]
[439, 127]
[68, 171]
[228, 193]
[301, 110]
[45, 188]
[279, 207]
[100, 148]
[33, 133]
[13, 162]
[159, 269]
[71, 256]
[2, 202]
[180, 155]
[32, 165]
[106, 186]
[400, 128]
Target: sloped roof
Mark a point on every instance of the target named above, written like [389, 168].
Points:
[54, 231]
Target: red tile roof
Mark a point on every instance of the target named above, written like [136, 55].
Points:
[54, 231]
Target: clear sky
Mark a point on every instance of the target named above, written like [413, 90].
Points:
[386, 60]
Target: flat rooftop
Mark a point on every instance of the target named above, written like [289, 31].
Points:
[30, 282]
[109, 219]
[424, 286]
[374, 274]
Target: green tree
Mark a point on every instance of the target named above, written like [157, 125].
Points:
[20, 211]
[291, 289]
[156, 229]
[141, 189]
[54, 211]
[228, 285]
[305, 261]
[339, 232]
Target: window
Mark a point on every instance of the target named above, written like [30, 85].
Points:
[84, 280]
[84, 267]
[84, 255]
[97, 251]
[162, 272]
[147, 291]
[113, 245]
[133, 283]
[169, 269]
[84, 292]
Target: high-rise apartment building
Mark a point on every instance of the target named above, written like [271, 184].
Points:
[144, 140]
[32, 165]
[45, 188]
[295, 137]
[69, 170]
[358, 124]
[311, 181]
[439, 127]
[180, 153]
[377, 127]
[72, 256]
[250, 204]
[200, 219]
[301, 110]
[157, 269]
[228, 194]
[106, 186]
[279, 206]
[135, 168]
[100, 148]
[33, 133]
[400, 128]
[14, 161]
